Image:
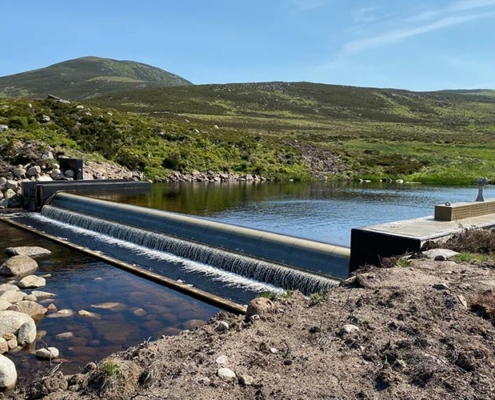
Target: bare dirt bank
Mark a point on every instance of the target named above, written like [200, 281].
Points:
[420, 331]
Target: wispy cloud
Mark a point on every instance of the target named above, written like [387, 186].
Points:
[426, 21]
[396, 36]
[365, 15]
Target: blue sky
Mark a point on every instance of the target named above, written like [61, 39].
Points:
[416, 45]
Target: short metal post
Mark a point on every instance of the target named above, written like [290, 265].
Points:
[481, 184]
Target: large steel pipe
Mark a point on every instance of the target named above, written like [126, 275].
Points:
[320, 257]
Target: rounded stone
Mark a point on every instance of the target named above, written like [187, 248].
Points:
[226, 374]
[48, 353]
[18, 265]
[8, 373]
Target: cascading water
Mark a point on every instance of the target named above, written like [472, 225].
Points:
[277, 275]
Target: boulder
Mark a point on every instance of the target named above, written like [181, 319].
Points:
[8, 373]
[4, 128]
[19, 172]
[6, 287]
[30, 308]
[31, 281]
[18, 265]
[33, 171]
[11, 322]
[4, 304]
[11, 340]
[11, 184]
[12, 296]
[9, 194]
[4, 347]
[26, 334]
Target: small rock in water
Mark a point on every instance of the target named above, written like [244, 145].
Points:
[18, 265]
[31, 281]
[31, 251]
[112, 306]
[64, 336]
[48, 353]
[88, 314]
[139, 312]
[42, 295]
[64, 313]
[193, 324]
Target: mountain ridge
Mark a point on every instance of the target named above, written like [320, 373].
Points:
[85, 78]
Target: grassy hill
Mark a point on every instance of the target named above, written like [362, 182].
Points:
[436, 137]
[86, 77]
[276, 129]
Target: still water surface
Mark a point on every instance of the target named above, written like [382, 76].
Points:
[318, 211]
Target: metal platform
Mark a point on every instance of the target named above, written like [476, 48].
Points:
[370, 244]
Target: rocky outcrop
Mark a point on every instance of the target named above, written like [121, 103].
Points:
[34, 164]
[213, 176]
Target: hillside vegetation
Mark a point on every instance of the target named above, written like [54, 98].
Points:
[155, 146]
[275, 129]
[86, 77]
[431, 137]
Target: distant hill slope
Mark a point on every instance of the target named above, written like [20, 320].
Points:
[85, 78]
[307, 100]
[476, 92]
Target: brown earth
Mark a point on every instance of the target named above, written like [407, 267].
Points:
[420, 331]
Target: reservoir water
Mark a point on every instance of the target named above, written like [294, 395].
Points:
[320, 211]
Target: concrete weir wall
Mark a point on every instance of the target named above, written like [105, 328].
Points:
[313, 256]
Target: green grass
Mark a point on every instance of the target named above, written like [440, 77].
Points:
[274, 129]
[468, 257]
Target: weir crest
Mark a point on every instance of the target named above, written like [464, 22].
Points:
[252, 268]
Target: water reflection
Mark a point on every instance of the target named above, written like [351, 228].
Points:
[319, 210]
